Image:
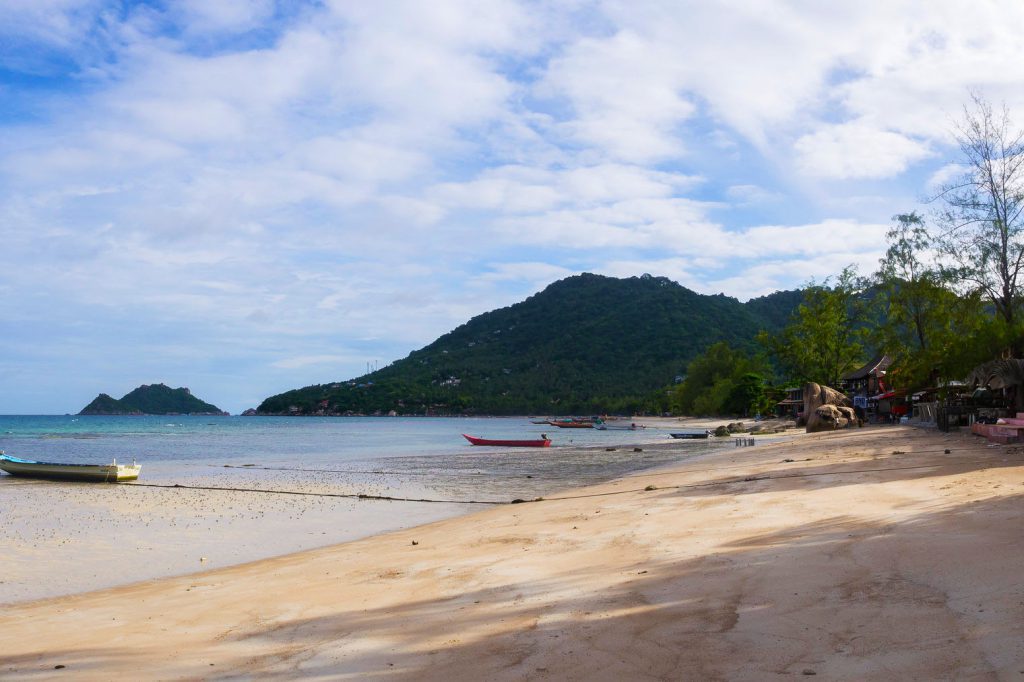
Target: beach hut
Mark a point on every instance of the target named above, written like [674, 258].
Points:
[792, 405]
[865, 384]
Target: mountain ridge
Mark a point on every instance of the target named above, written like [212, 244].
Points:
[585, 344]
[151, 399]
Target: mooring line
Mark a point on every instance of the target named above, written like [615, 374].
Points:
[637, 474]
[356, 496]
[706, 484]
[381, 472]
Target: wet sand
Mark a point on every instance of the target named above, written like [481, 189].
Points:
[63, 538]
[872, 554]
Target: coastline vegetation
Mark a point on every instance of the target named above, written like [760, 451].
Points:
[946, 296]
[944, 299]
[587, 344]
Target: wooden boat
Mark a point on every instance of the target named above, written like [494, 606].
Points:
[604, 426]
[541, 443]
[691, 434]
[572, 423]
[99, 473]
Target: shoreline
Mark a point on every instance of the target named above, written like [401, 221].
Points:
[861, 554]
[181, 519]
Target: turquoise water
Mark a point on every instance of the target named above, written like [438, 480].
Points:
[423, 456]
[218, 491]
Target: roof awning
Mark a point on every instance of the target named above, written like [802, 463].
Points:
[884, 396]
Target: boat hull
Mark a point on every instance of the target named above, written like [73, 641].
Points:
[543, 443]
[96, 473]
[689, 436]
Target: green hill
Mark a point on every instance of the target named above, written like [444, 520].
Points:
[151, 399]
[586, 344]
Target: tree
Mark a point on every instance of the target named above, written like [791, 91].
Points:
[747, 396]
[720, 381]
[982, 216]
[822, 343]
[908, 283]
[919, 321]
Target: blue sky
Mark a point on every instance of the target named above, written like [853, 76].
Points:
[248, 197]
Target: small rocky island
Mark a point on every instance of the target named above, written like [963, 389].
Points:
[152, 399]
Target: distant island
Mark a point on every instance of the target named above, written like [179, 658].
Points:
[152, 399]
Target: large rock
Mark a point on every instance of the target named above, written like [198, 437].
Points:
[849, 413]
[816, 397]
[828, 418]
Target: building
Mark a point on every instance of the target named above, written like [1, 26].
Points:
[867, 386]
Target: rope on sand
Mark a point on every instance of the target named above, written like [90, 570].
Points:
[355, 496]
[388, 498]
[378, 472]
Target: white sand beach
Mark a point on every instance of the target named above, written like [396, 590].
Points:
[868, 554]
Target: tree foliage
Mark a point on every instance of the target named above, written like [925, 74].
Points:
[151, 399]
[983, 211]
[919, 320]
[824, 338]
[722, 380]
[587, 344]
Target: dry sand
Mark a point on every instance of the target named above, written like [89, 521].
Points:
[873, 555]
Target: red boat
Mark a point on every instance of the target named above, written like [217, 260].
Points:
[542, 443]
[572, 423]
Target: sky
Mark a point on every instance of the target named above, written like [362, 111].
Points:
[245, 197]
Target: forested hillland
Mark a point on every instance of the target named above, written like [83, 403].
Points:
[152, 399]
[585, 344]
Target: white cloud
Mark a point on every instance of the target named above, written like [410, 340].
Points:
[327, 363]
[854, 150]
[751, 194]
[830, 236]
[944, 175]
[625, 96]
[329, 173]
[202, 16]
[536, 274]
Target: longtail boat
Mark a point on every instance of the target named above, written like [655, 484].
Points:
[691, 434]
[98, 473]
[540, 443]
[572, 423]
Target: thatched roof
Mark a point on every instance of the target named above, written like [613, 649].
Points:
[877, 364]
[997, 374]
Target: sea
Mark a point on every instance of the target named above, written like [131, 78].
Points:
[220, 491]
[423, 456]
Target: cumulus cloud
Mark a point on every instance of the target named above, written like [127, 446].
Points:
[854, 150]
[365, 176]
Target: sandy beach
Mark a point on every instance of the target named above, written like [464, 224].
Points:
[868, 554]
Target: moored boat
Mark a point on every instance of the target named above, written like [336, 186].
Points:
[691, 434]
[572, 423]
[539, 443]
[98, 473]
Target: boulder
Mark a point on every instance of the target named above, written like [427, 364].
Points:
[828, 418]
[816, 397]
[848, 413]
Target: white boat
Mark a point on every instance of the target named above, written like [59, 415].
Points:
[100, 473]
